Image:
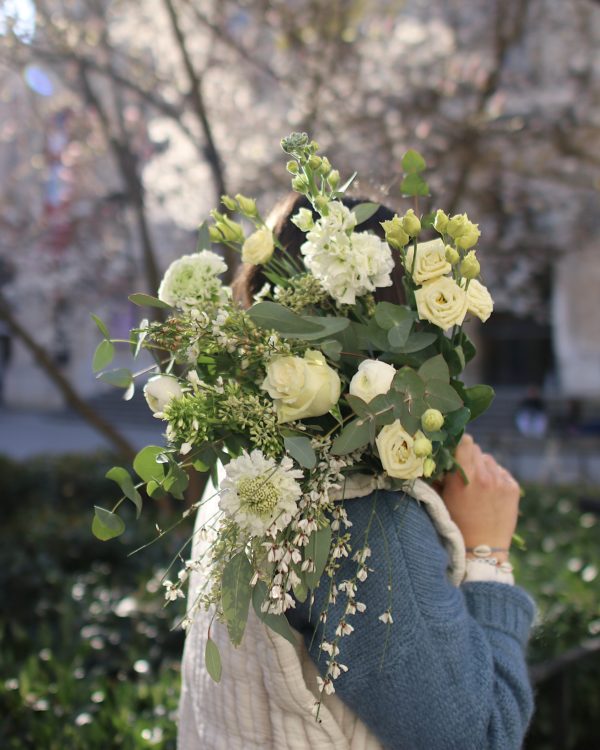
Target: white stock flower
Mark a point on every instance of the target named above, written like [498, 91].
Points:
[159, 390]
[431, 261]
[302, 387]
[479, 300]
[258, 247]
[303, 220]
[348, 264]
[397, 454]
[442, 302]
[191, 281]
[258, 492]
[372, 379]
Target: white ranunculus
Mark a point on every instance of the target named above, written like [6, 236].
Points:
[302, 387]
[431, 261]
[159, 390]
[372, 379]
[258, 247]
[442, 302]
[479, 300]
[259, 492]
[192, 282]
[396, 452]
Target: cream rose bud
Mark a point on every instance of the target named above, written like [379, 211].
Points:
[464, 232]
[441, 221]
[432, 420]
[396, 452]
[452, 255]
[428, 467]
[160, 390]
[395, 235]
[479, 300]
[302, 387]
[411, 223]
[431, 261]
[303, 219]
[470, 267]
[422, 445]
[442, 302]
[372, 379]
[258, 248]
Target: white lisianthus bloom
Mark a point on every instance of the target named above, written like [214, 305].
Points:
[442, 302]
[259, 492]
[258, 247]
[479, 300]
[159, 390]
[348, 264]
[303, 220]
[302, 387]
[192, 281]
[372, 379]
[397, 454]
[431, 261]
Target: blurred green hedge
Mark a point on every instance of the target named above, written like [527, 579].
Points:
[89, 659]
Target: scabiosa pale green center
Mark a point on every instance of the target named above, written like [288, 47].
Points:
[258, 494]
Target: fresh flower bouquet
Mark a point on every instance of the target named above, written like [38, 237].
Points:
[313, 384]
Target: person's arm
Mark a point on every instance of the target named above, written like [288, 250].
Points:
[450, 671]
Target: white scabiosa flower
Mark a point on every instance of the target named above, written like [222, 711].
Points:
[192, 281]
[348, 264]
[259, 493]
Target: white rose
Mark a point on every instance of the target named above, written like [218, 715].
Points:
[397, 454]
[442, 302]
[160, 390]
[302, 387]
[372, 379]
[431, 261]
[258, 248]
[479, 300]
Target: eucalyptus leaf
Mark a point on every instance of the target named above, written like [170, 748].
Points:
[388, 314]
[418, 341]
[235, 595]
[435, 368]
[176, 481]
[399, 333]
[332, 349]
[468, 347]
[364, 211]
[106, 524]
[317, 550]
[456, 421]
[272, 315]
[478, 398]
[442, 396]
[123, 478]
[146, 466]
[354, 436]
[101, 326]
[103, 356]
[358, 406]
[413, 162]
[147, 300]
[278, 623]
[327, 326]
[406, 380]
[414, 185]
[301, 451]
[212, 659]
[120, 378]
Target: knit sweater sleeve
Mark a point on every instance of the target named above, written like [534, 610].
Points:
[449, 672]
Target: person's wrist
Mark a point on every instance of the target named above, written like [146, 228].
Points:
[482, 551]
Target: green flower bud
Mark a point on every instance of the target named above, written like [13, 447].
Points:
[463, 231]
[229, 203]
[395, 235]
[325, 166]
[333, 179]
[299, 184]
[228, 230]
[314, 162]
[411, 223]
[422, 445]
[470, 267]
[313, 146]
[432, 420]
[292, 167]
[441, 221]
[452, 255]
[214, 233]
[247, 205]
[428, 467]
[322, 205]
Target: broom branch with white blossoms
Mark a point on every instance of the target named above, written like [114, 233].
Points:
[315, 382]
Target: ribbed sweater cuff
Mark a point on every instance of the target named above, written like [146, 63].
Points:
[505, 608]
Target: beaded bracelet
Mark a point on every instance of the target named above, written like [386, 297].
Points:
[484, 550]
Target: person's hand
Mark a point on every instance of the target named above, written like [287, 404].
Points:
[485, 510]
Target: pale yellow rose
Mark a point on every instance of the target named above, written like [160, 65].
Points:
[372, 379]
[442, 302]
[258, 248]
[302, 387]
[479, 300]
[397, 454]
[431, 261]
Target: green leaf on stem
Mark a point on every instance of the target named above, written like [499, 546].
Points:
[106, 524]
[441, 395]
[212, 659]
[478, 398]
[388, 315]
[301, 451]
[147, 300]
[278, 623]
[399, 333]
[328, 327]
[456, 421]
[120, 378]
[103, 356]
[358, 406]
[435, 368]
[413, 162]
[317, 550]
[272, 315]
[364, 211]
[235, 595]
[332, 349]
[416, 342]
[123, 478]
[146, 466]
[354, 436]
[176, 481]
[101, 326]
[414, 185]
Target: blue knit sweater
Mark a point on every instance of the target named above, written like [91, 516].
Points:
[452, 675]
